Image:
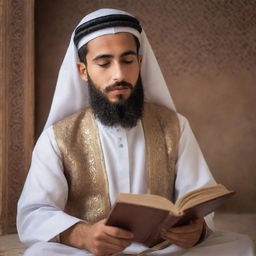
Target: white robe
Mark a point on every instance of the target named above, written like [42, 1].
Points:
[41, 219]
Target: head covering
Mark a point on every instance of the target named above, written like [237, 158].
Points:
[71, 93]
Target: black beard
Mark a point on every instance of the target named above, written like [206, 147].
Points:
[125, 113]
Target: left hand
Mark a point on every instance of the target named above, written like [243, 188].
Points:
[185, 236]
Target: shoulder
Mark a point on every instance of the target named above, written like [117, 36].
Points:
[183, 121]
[161, 113]
[166, 113]
[165, 118]
[72, 126]
[73, 120]
[46, 144]
[154, 108]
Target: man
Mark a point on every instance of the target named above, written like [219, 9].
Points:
[129, 140]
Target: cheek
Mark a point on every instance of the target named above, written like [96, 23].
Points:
[133, 75]
[99, 76]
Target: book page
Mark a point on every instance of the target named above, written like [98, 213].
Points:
[201, 195]
[148, 200]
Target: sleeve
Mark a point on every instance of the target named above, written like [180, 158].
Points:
[192, 171]
[40, 215]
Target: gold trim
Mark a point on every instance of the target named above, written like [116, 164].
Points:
[161, 131]
[78, 140]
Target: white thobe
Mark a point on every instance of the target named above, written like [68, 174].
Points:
[41, 219]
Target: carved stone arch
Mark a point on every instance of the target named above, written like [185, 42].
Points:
[16, 103]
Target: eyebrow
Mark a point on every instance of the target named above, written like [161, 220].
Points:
[128, 53]
[108, 56]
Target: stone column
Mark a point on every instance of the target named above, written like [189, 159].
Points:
[16, 103]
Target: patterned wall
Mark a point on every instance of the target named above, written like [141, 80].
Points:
[207, 52]
[16, 104]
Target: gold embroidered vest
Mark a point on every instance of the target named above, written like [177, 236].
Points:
[83, 163]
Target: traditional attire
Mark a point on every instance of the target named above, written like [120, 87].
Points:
[79, 165]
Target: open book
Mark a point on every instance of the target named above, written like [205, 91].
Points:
[145, 215]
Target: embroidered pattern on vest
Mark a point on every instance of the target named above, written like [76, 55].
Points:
[78, 140]
[162, 132]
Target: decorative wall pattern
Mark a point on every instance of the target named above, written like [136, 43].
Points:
[2, 117]
[16, 107]
[202, 34]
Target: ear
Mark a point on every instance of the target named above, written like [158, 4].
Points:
[140, 59]
[81, 67]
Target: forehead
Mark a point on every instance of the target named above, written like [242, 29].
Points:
[111, 44]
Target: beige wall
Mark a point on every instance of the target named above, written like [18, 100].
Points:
[207, 52]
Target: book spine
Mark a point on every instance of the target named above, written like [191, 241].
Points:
[170, 221]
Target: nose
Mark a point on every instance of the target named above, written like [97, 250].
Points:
[118, 73]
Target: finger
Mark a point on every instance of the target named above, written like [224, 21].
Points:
[105, 249]
[118, 232]
[183, 231]
[184, 240]
[181, 237]
[118, 242]
[114, 240]
[109, 245]
[193, 226]
[183, 244]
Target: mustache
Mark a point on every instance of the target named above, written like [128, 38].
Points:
[118, 85]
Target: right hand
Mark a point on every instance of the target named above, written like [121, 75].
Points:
[98, 238]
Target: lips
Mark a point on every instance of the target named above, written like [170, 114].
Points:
[119, 89]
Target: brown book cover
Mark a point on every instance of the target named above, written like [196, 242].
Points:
[145, 215]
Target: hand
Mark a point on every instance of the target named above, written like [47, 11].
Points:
[97, 238]
[185, 236]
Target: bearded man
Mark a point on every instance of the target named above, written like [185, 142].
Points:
[122, 135]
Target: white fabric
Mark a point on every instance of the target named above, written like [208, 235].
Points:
[71, 94]
[107, 31]
[40, 216]
[120, 148]
[219, 243]
[40, 208]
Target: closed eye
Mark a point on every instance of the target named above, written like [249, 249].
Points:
[127, 61]
[104, 64]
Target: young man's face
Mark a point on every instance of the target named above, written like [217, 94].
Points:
[112, 59]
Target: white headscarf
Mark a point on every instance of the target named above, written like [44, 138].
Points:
[71, 94]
